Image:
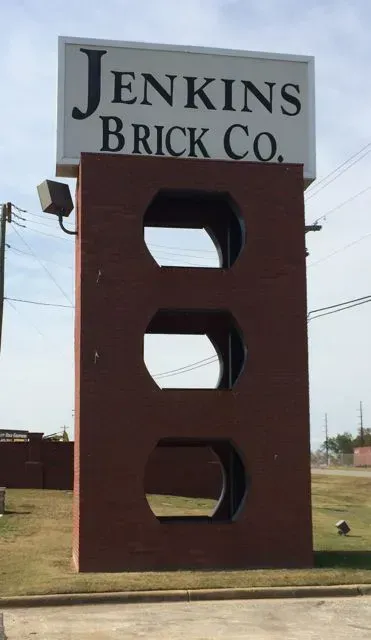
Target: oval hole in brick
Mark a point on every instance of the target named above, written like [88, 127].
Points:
[193, 229]
[182, 361]
[194, 349]
[198, 480]
[191, 248]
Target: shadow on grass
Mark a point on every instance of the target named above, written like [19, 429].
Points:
[344, 559]
[17, 513]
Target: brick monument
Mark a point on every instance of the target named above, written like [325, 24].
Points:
[256, 422]
[231, 151]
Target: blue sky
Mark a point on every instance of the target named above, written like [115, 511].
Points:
[36, 363]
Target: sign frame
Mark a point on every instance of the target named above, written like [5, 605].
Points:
[68, 167]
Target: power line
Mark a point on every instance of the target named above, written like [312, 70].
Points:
[211, 359]
[346, 168]
[340, 304]
[43, 266]
[49, 235]
[30, 213]
[13, 306]
[328, 313]
[187, 255]
[43, 224]
[207, 361]
[185, 262]
[26, 253]
[18, 208]
[36, 215]
[194, 365]
[340, 250]
[184, 369]
[163, 246]
[312, 195]
[342, 204]
[42, 304]
[315, 184]
[16, 215]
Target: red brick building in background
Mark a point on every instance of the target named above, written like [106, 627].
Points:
[253, 309]
[362, 457]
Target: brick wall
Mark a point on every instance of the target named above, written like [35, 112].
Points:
[13, 458]
[192, 472]
[120, 413]
[38, 464]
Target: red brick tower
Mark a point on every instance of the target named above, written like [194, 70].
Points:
[254, 311]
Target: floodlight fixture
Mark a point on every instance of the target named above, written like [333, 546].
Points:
[55, 198]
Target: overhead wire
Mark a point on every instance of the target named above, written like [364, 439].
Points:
[14, 307]
[43, 266]
[340, 304]
[185, 262]
[149, 244]
[354, 155]
[191, 368]
[345, 308]
[336, 308]
[14, 206]
[40, 303]
[163, 246]
[43, 216]
[342, 204]
[164, 374]
[184, 253]
[207, 361]
[26, 253]
[345, 166]
[49, 235]
[340, 250]
[312, 315]
[44, 224]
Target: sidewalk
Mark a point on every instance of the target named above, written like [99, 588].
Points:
[299, 619]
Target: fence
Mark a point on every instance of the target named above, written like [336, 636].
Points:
[36, 464]
[44, 464]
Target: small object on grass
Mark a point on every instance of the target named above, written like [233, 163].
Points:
[343, 527]
[2, 500]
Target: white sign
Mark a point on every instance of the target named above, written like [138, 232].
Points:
[183, 102]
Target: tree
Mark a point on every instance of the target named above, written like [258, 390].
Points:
[342, 443]
[346, 443]
[318, 458]
[357, 442]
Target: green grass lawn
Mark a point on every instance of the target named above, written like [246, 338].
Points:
[35, 545]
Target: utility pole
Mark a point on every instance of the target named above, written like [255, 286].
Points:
[5, 216]
[326, 441]
[361, 432]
